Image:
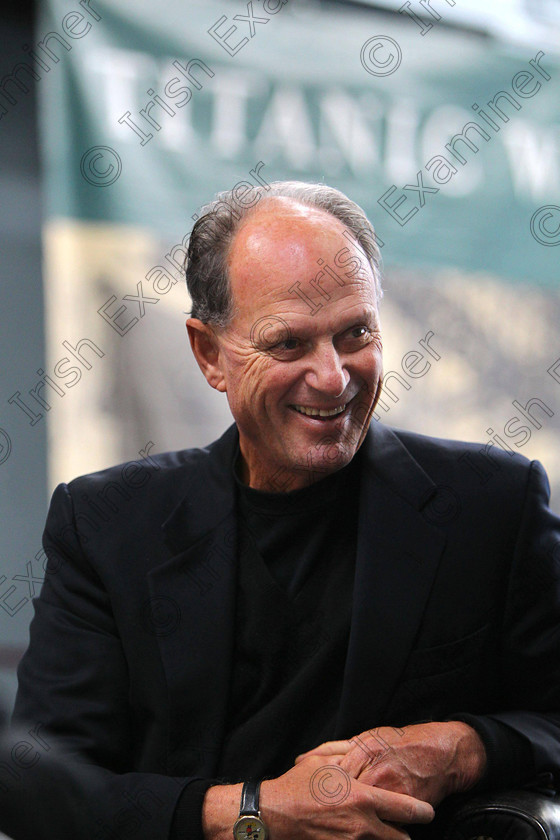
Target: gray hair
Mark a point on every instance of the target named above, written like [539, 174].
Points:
[213, 233]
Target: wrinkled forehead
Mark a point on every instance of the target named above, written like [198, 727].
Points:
[278, 220]
[284, 241]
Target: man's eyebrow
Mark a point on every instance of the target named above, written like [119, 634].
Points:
[276, 332]
[274, 336]
[273, 333]
[367, 316]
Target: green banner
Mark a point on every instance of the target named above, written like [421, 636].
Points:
[451, 147]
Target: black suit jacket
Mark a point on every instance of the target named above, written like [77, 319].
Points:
[456, 610]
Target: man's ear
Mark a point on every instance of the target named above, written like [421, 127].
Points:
[205, 347]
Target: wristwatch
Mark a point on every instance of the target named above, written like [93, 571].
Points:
[249, 825]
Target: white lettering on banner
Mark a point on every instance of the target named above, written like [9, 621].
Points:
[306, 127]
[533, 154]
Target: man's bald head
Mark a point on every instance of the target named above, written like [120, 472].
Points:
[206, 263]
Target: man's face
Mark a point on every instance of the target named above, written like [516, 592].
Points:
[286, 356]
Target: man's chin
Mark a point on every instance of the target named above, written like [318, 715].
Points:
[331, 457]
[318, 460]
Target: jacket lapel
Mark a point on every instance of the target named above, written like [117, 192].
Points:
[397, 557]
[198, 584]
[398, 553]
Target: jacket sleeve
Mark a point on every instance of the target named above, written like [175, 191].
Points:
[530, 653]
[73, 693]
[46, 795]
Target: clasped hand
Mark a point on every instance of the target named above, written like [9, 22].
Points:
[375, 784]
[428, 761]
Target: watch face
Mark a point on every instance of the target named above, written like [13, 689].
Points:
[249, 828]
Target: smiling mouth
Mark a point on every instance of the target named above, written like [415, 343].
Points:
[320, 413]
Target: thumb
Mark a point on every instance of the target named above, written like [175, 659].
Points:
[339, 748]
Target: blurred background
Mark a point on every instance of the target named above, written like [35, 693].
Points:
[119, 119]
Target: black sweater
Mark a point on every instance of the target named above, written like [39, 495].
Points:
[294, 603]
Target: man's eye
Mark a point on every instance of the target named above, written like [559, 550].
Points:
[285, 344]
[360, 332]
[356, 337]
[288, 344]
[283, 348]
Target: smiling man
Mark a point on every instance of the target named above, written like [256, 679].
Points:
[301, 384]
[281, 636]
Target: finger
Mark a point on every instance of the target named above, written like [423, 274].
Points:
[333, 758]
[328, 748]
[355, 762]
[358, 762]
[399, 807]
[395, 832]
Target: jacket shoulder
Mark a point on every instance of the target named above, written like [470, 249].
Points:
[480, 467]
[449, 449]
[159, 471]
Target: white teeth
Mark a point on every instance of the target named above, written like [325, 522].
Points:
[319, 412]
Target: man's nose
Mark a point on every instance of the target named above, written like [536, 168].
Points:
[326, 372]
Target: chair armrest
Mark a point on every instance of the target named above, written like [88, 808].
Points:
[504, 815]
